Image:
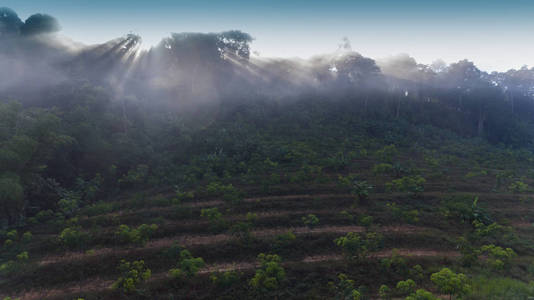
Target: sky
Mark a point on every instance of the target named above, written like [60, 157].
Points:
[495, 34]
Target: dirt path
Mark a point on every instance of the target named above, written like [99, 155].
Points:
[196, 240]
[97, 284]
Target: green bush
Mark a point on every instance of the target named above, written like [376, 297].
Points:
[284, 241]
[310, 220]
[358, 246]
[421, 294]
[138, 236]
[187, 266]
[73, 238]
[133, 274]
[383, 168]
[413, 184]
[23, 256]
[269, 276]
[498, 258]
[214, 216]
[451, 283]
[27, 237]
[229, 193]
[345, 288]
[384, 292]
[226, 279]
[405, 287]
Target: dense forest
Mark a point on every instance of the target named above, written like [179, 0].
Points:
[305, 179]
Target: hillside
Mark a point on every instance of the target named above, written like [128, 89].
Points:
[198, 169]
[410, 199]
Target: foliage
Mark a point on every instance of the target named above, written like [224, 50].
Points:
[382, 168]
[394, 264]
[270, 275]
[384, 292]
[451, 283]
[23, 256]
[310, 220]
[133, 274]
[421, 294]
[358, 246]
[73, 237]
[26, 237]
[138, 236]
[406, 286]
[284, 240]
[226, 279]
[187, 266]
[498, 258]
[229, 193]
[496, 288]
[214, 216]
[413, 184]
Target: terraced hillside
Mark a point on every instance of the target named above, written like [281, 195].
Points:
[400, 223]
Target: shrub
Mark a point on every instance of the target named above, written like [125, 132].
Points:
[8, 267]
[498, 257]
[366, 221]
[358, 246]
[518, 187]
[310, 220]
[421, 294]
[44, 215]
[132, 275]
[384, 292]
[139, 236]
[229, 193]
[283, 241]
[417, 272]
[69, 203]
[135, 176]
[226, 279]
[73, 237]
[8, 243]
[187, 266]
[451, 283]
[241, 230]
[345, 288]
[395, 263]
[346, 216]
[27, 237]
[413, 184]
[383, 168]
[269, 276]
[98, 208]
[23, 256]
[214, 216]
[387, 153]
[405, 287]
[12, 235]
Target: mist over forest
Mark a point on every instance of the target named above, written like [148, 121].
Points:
[200, 114]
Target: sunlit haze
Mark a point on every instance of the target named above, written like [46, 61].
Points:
[494, 34]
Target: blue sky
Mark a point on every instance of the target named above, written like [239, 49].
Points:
[495, 34]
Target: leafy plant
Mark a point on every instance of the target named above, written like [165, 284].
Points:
[357, 246]
[455, 285]
[405, 287]
[73, 237]
[133, 274]
[187, 266]
[139, 235]
[310, 220]
[269, 276]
